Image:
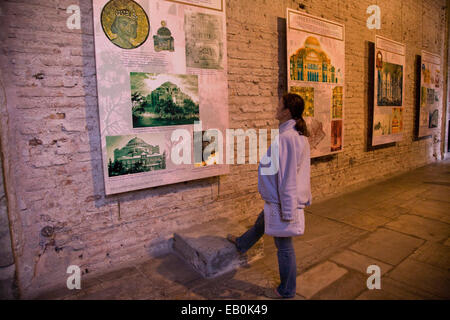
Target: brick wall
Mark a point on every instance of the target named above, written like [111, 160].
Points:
[7, 267]
[50, 130]
[445, 138]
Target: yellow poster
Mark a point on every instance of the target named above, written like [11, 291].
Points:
[316, 71]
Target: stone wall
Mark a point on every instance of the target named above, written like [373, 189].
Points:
[51, 144]
[446, 125]
[7, 266]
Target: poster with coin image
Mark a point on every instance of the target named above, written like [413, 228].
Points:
[316, 69]
[430, 93]
[161, 67]
[388, 91]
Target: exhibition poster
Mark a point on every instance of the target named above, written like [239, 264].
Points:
[161, 66]
[316, 70]
[430, 93]
[389, 82]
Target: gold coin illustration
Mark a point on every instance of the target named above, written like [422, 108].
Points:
[125, 23]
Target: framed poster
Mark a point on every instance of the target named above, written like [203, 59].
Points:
[161, 68]
[430, 101]
[388, 91]
[316, 70]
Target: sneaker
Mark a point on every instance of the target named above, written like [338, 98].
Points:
[272, 293]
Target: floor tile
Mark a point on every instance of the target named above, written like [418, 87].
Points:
[423, 228]
[358, 262]
[387, 246]
[347, 287]
[317, 278]
[394, 290]
[423, 276]
[433, 253]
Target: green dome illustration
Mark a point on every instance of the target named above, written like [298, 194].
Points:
[164, 31]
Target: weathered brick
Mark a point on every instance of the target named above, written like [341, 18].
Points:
[54, 140]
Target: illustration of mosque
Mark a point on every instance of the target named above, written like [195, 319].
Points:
[311, 63]
[137, 156]
[163, 40]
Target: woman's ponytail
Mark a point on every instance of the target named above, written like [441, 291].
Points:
[301, 127]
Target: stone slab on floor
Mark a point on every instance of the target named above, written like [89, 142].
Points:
[358, 262]
[347, 287]
[423, 228]
[433, 253]
[423, 276]
[169, 267]
[439, 193]
[388, 246]
[318, 278]
[394, 290]
[432, 209]
[207, 250]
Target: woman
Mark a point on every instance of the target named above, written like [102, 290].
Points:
[288, 189]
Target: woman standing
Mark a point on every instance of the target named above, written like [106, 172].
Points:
[286, 192]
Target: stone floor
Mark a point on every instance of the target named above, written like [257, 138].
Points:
[402, 225]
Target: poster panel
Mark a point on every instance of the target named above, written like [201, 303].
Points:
[161, 66]
[430, 106]
[388, 91]
[316, 70]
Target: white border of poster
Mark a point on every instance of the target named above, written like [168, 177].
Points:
[389, 97]
[208, 4]
[316, 71]
[161, 66]
[431, 82]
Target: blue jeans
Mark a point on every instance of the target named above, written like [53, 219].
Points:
[286, 255]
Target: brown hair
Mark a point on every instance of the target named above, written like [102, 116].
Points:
[296, 105]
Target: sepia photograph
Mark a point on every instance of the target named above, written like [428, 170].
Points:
[164, 99]
[134, 154]
[390, 85]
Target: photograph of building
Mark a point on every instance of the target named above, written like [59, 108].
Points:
[390, 85]
[164, 99]
[135, 157]
[311, 63]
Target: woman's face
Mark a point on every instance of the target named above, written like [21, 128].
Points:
[283, 113]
